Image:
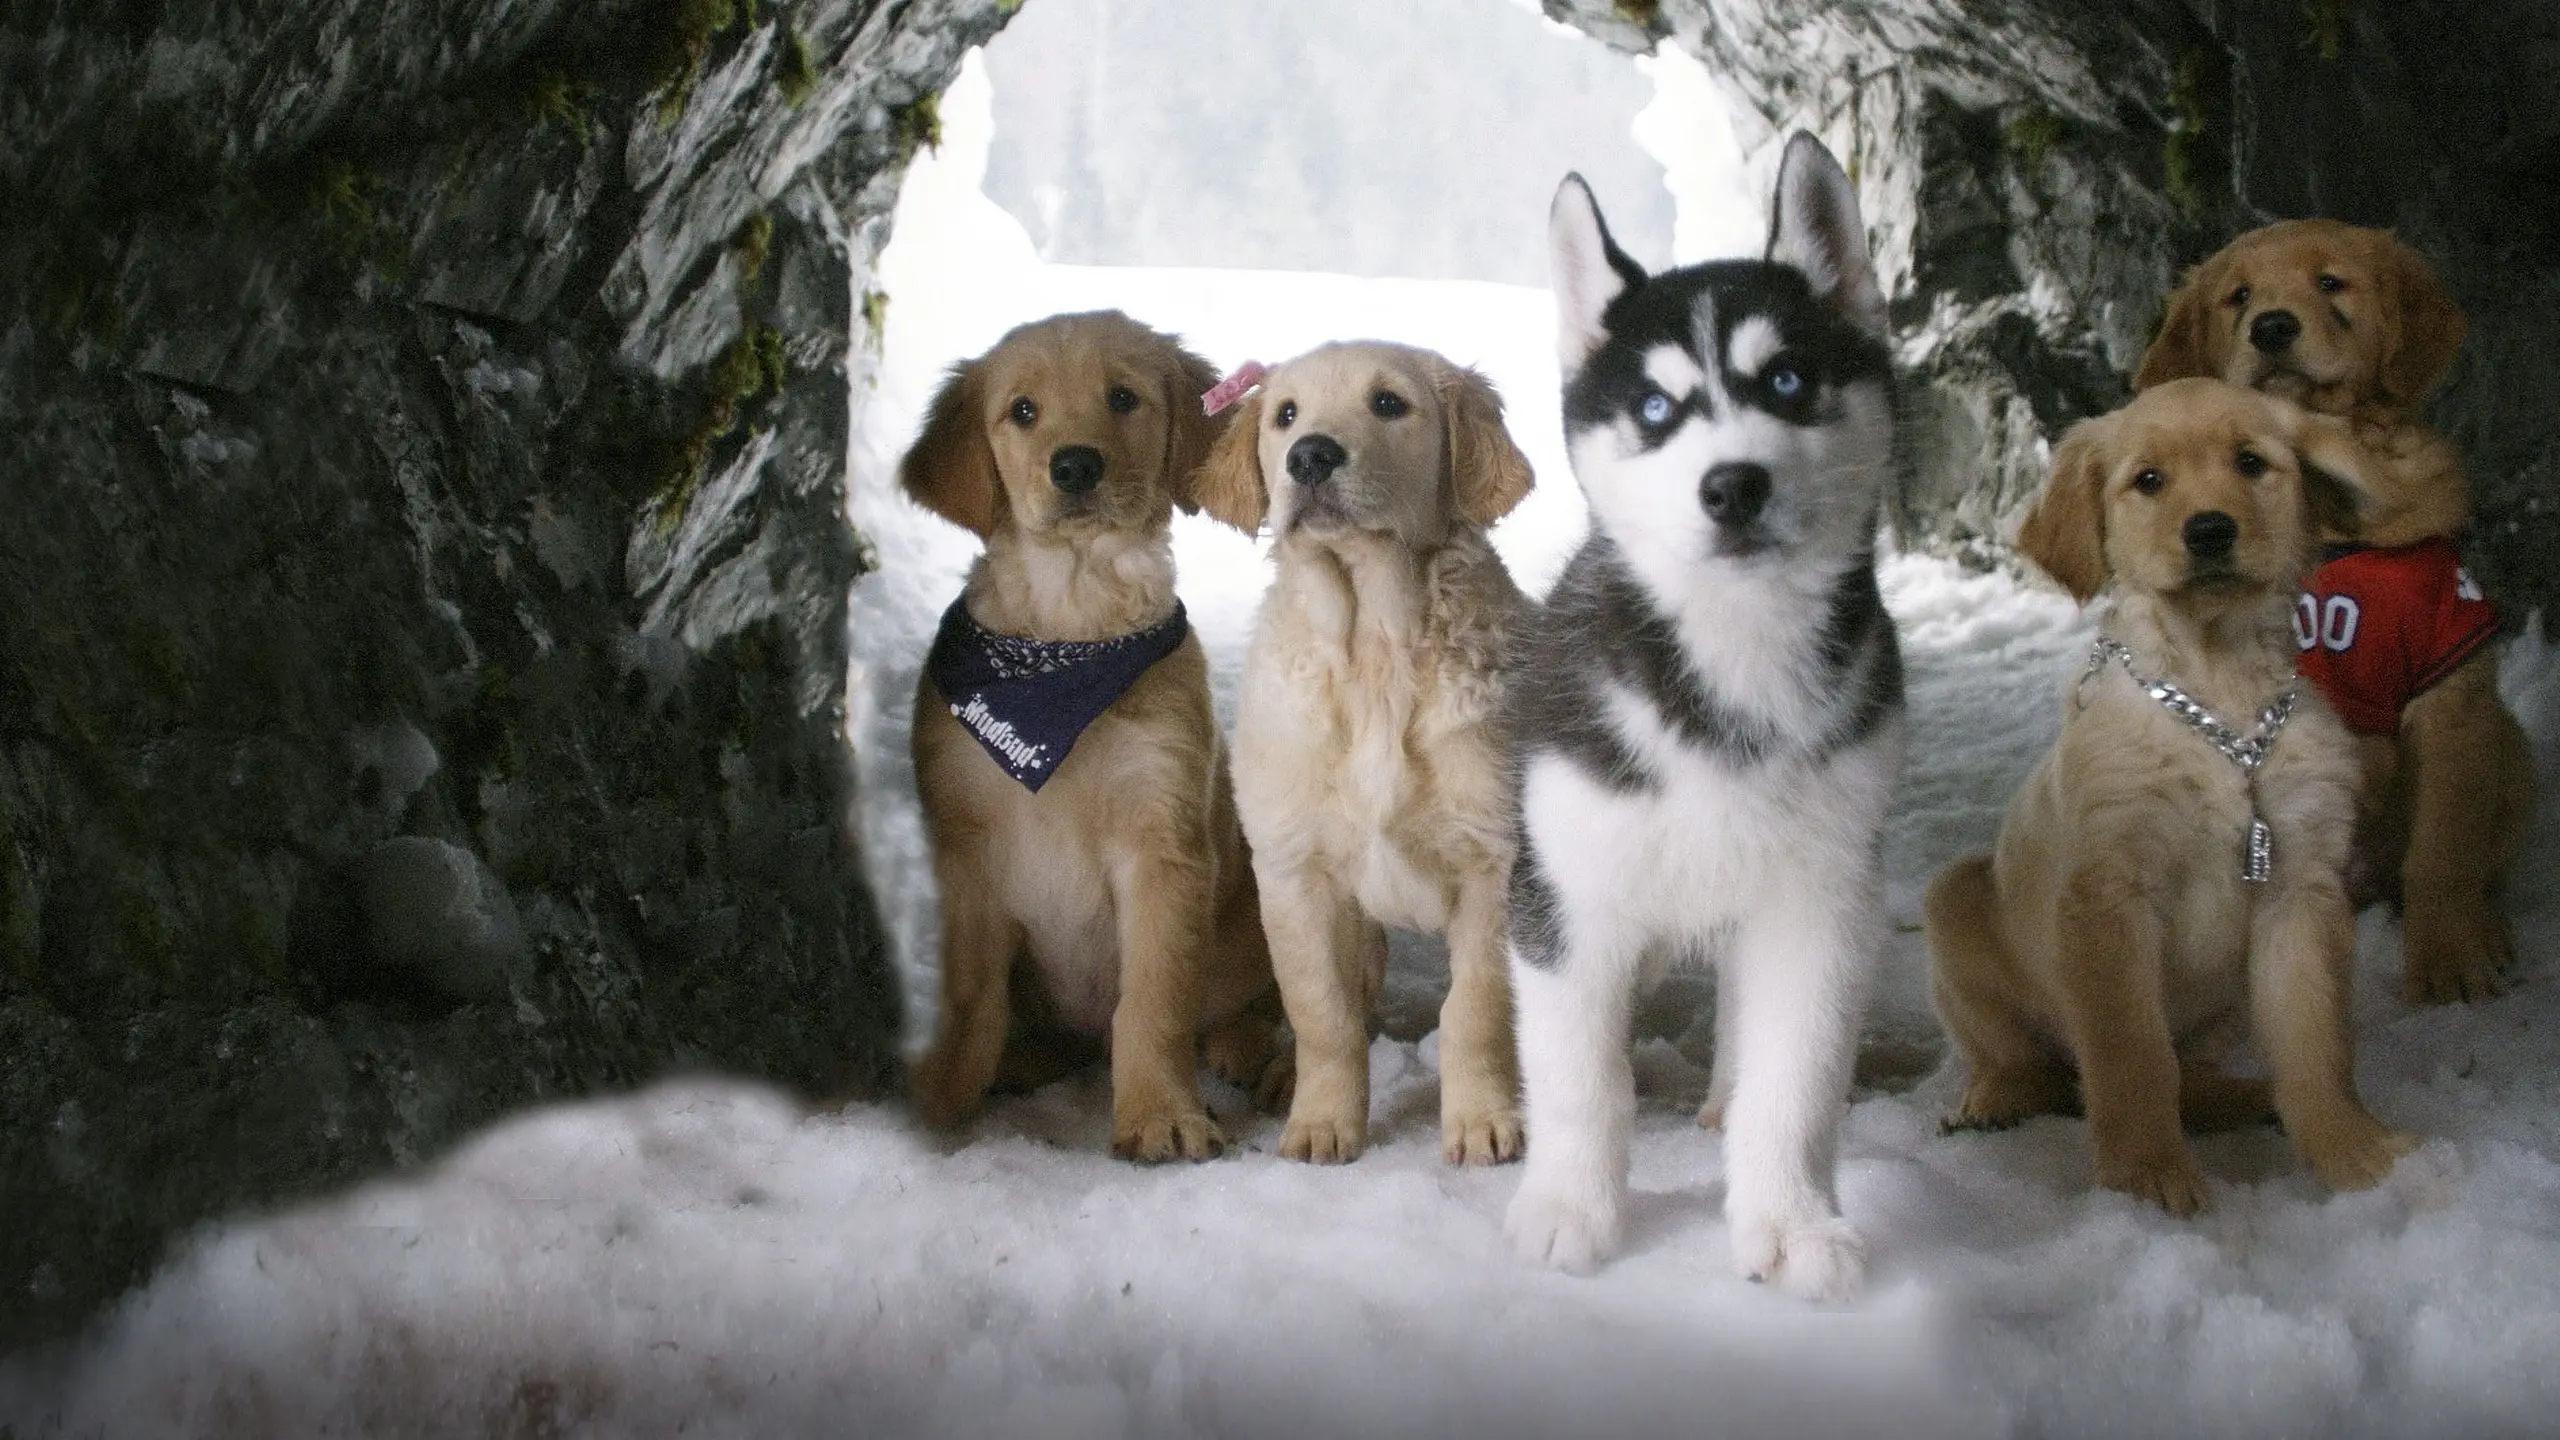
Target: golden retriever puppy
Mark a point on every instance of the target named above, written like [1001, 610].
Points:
[1369, 768]
[1073, 781]
[2350, 322]
[2164, 874]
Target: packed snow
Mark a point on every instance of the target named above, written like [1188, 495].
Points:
[709, 1258]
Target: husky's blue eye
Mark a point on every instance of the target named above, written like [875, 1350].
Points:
[1654, 409]
[1785, 383]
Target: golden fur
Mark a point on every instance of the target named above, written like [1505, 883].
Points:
[2446, 799]
[1368, 762]
[2110, 935]
[1119, 898]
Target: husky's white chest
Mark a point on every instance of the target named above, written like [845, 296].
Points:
[1708, 836]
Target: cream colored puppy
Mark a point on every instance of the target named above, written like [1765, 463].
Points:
[2114, 936]
[1369, 767]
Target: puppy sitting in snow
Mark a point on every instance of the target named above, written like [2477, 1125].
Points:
[2173, 868]
[1094, 881]
[2349, 321]
[1369, 768]
[1707, 719]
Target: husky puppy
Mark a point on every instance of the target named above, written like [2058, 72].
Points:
[1707, 716]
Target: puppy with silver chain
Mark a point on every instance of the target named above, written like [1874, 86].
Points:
[2166, 880]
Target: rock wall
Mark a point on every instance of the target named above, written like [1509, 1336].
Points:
[2037, 176]
[422, 598]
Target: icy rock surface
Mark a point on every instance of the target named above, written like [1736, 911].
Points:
[422, 602]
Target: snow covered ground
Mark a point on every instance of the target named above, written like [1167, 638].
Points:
[707, 1258]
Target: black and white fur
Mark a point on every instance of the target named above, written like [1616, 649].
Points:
[1707, 719]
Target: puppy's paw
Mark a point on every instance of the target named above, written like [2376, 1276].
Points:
[1153, 1137]
[1278, 1084]
[1711, 1115]
[1323, 1140]
[2455, 956]
[1818, 1257]
[940, 1100]
[2003, 1098]
[1482, 1138]
[2170, 1181]
[1571, 1230]
[2359, 1157]
[1253, 1055]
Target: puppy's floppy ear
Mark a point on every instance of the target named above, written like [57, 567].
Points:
[1817, 229]
[951, 469]
[2337, 489]
[1487, 473]
[2066, 532]
[1190, 432]
[1588, 271]
[2183, 348]
[1228, 485]
[2429, 330]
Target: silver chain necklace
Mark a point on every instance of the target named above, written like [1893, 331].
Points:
[2258, 853]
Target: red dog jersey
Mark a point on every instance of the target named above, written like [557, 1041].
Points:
[2377, 627]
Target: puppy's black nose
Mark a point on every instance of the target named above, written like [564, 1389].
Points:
[1075, 468]
[1733, 493]
[2272, 332]
[2210, 535]
[1314, 458]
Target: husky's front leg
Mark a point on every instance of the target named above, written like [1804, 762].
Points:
[1796, 977]
[1578, 1091]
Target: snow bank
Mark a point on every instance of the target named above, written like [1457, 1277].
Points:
[705, 1258]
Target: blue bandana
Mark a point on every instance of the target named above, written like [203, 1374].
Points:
[1027, 700]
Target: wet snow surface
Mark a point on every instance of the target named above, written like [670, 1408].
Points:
[707, 1258]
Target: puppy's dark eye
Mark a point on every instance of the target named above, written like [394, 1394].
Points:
[1785, 383]
[2240, 296]
[2251, 463]
[1388, 405]
[2331, 284]
[1654, 410]
[1121, 399]
[2150, 482]
[1025, 411]
[1286, 414]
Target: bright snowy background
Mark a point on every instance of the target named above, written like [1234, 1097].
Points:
[707, 1258]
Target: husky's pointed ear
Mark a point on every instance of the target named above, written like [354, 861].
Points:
[1190, 432]
[2337, 490]
[2183, 348]
[1817, 229]
[2066, 533]
[1228, 485]
[1588, 270]
[2420, 347]
[1487, 473]
[951, 469]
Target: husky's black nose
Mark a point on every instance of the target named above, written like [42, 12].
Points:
[1734, 492]
[2210, 535]
[2272, 332]
[1314, 458]
[1075, 468]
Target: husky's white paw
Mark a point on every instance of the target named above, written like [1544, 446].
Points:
[1817, 1257]
[1573, 1232]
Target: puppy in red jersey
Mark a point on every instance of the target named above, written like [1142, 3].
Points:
[2350, 321]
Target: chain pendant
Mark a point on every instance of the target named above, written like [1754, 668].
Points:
[2258, 861]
